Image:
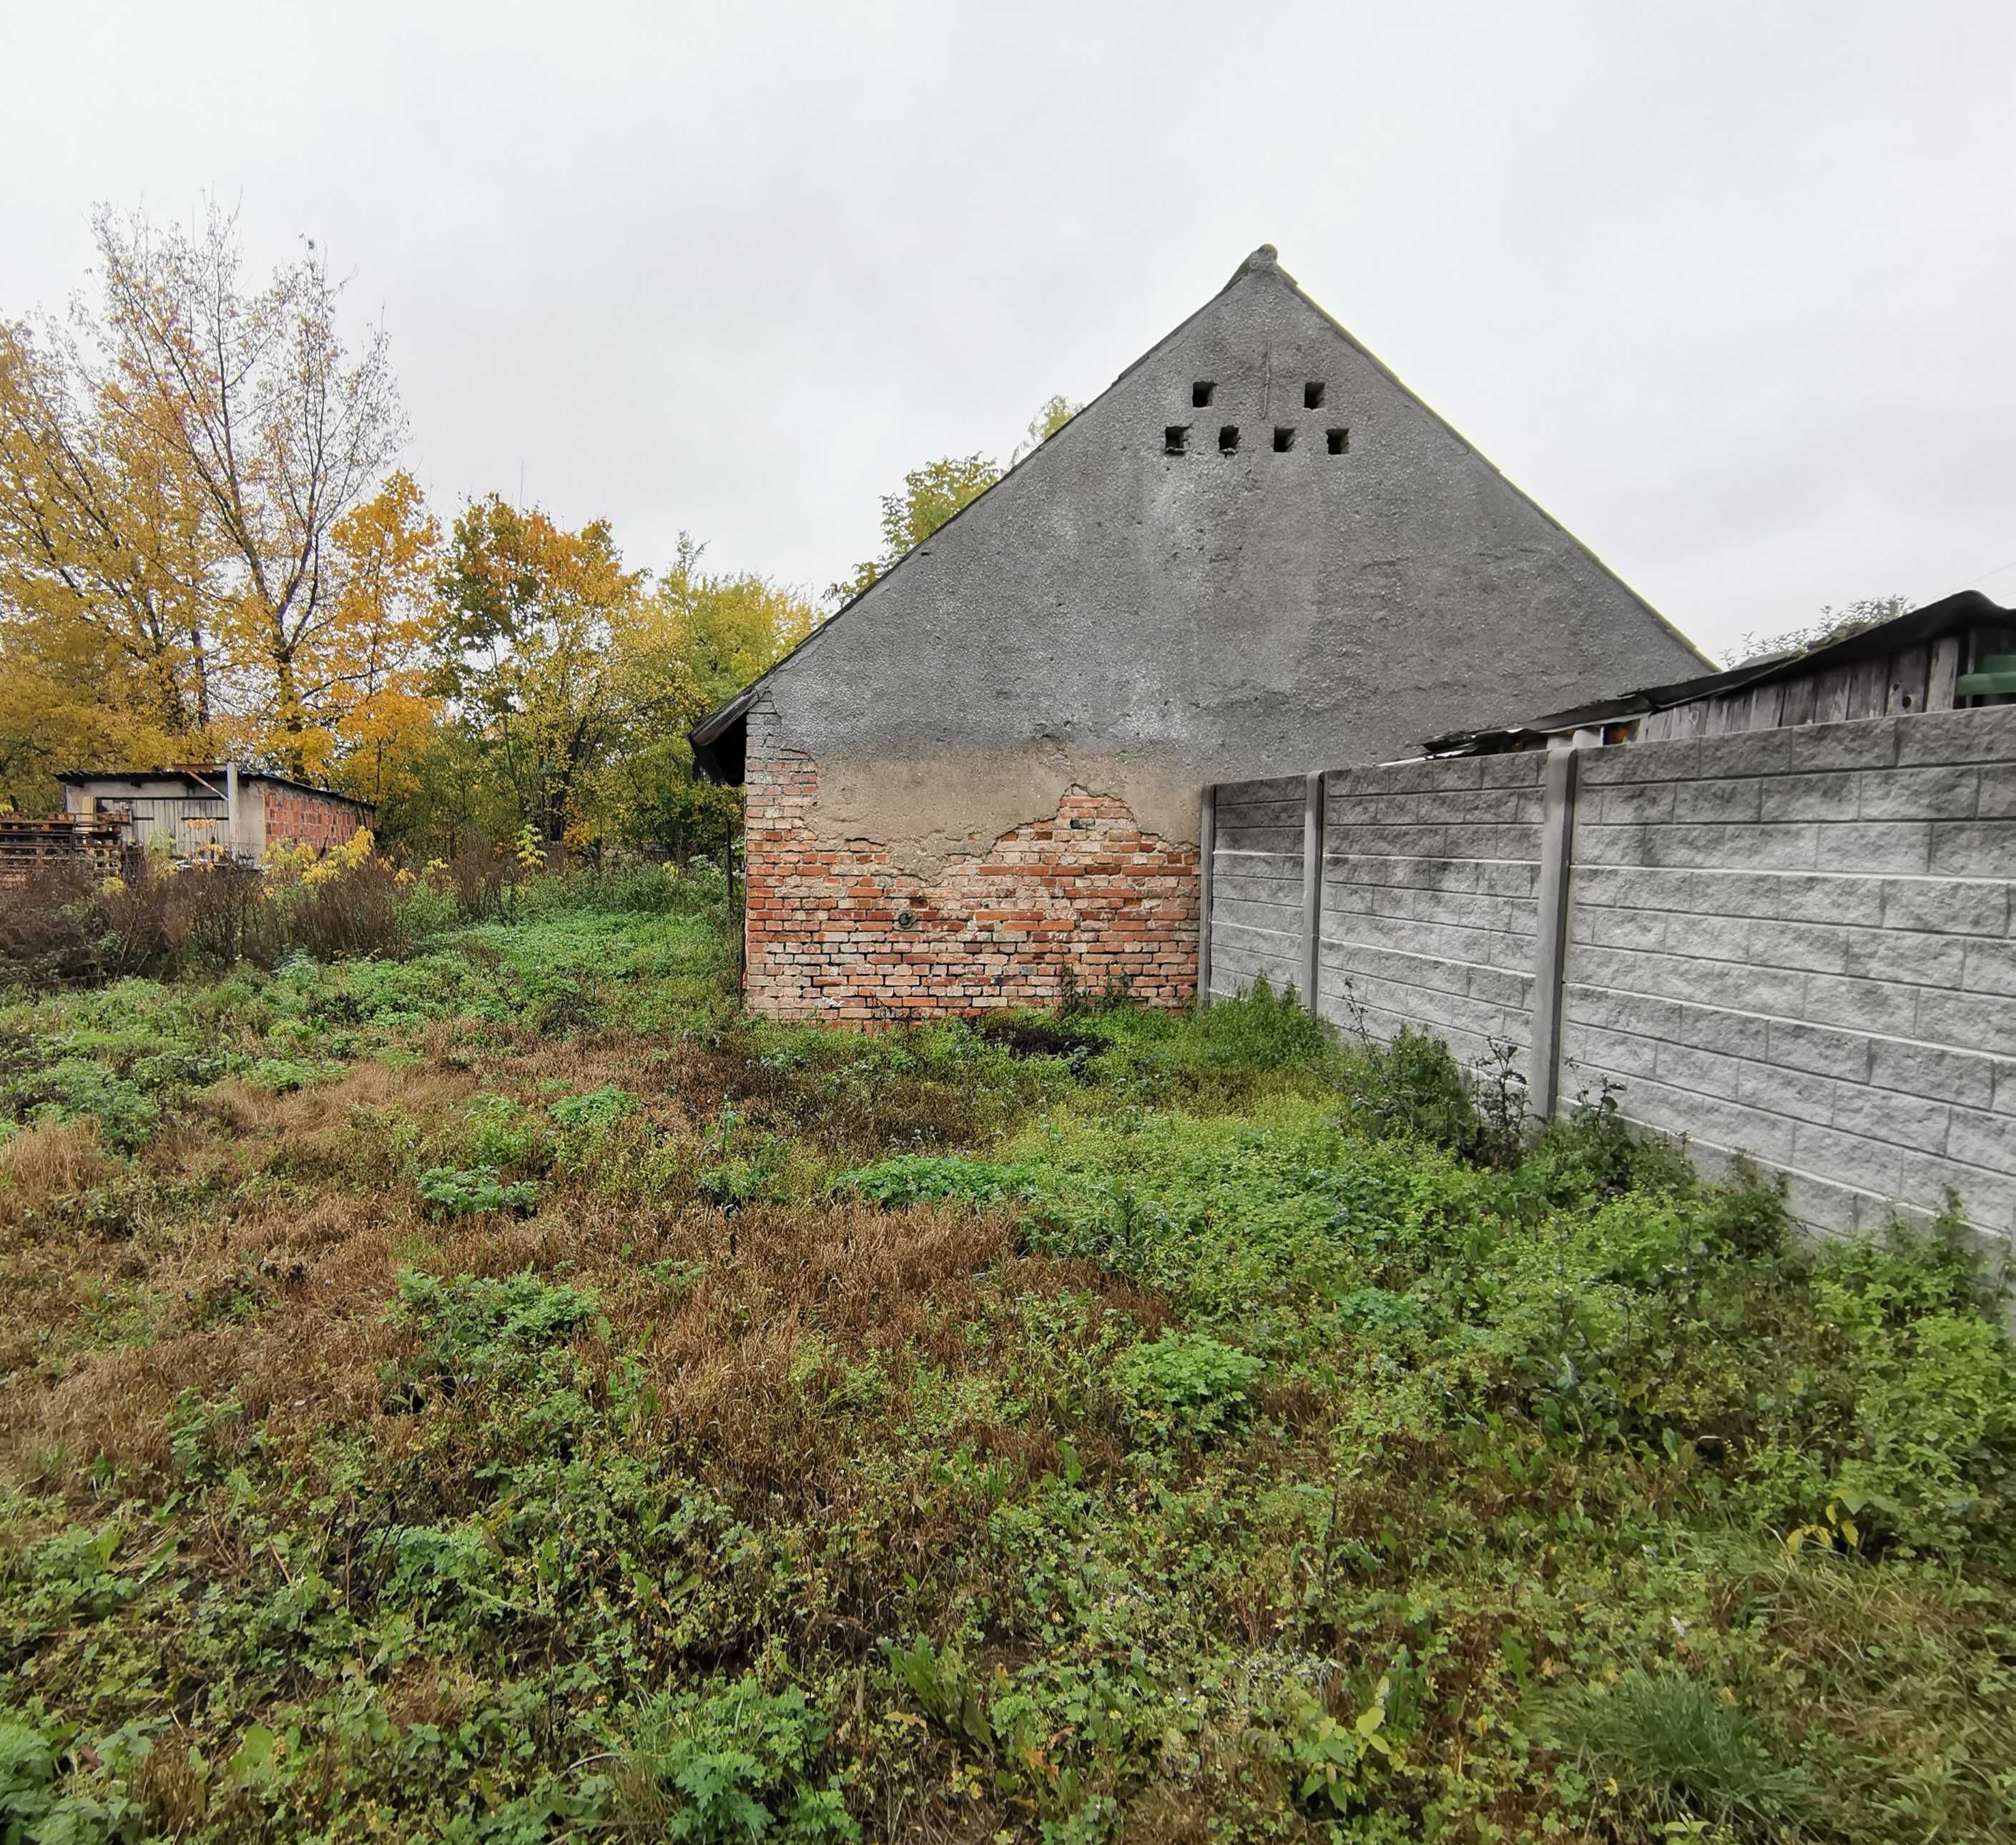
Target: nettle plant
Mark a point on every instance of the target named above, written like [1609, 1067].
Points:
[1186, 1383]
[462, 1192]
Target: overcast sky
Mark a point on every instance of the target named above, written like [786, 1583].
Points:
[1727, 288]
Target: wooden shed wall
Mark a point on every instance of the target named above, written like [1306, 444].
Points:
[1919, 678]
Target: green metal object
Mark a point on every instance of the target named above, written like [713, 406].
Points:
[1997, 674]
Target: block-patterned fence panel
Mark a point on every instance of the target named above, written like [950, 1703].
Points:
[1795, 944]
[1256, 885]
[1798, 944]
[1428, 915]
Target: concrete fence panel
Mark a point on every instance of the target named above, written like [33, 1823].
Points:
[1429, 915]
[1256, 921]
[1798, 944]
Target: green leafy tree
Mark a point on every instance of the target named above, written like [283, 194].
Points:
[706, 636]
[1045, 423]
[729, 630]
[931, 495]
[553, 656]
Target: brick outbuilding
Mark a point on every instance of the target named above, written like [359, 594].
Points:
[216, 810]
[977, 785]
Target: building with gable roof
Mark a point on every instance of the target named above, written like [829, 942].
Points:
[977, 785]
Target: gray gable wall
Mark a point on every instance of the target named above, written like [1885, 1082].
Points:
[1141, 624]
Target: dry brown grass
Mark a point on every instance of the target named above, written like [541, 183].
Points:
[279, 1300]
[42, 1164]
[424, 1091]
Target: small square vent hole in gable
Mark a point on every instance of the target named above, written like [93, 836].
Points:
[1228, 439]
[1176, 439]
[1339, 440]
[1312, 396]
[1284, 439]
[1202, 392]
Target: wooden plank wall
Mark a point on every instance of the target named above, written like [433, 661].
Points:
[1918, 678]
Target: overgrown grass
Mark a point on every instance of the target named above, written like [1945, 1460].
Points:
[503, 1394]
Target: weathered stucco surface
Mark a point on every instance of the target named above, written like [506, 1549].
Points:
[1117, 618]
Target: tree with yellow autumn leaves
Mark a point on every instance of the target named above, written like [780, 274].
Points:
[202, 545]
[206, 548]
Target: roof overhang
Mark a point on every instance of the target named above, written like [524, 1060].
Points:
[208, 776]
[720, 740]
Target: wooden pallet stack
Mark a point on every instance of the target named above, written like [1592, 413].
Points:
[91, 842]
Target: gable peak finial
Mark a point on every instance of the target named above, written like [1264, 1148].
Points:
[1265, 261]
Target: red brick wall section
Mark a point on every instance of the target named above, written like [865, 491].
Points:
[836, 932]
[297, 816]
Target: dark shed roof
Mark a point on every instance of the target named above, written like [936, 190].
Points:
[1952, 615]
[201, 774]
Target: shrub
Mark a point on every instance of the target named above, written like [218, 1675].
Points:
[923, 1178]
[1260, 1030]
[500, 1132]
[596, 1111]
[54, 929]
[72, 1576]
[642, 889]
[732, 1764]
[348, 904]
[32, 1809]
[1186, 1383]
[67, 928]
[76, 1089]
[474, 1328]
[1592, 1152]
[440, 1573]
[1413, 1085]
[1929, 1458]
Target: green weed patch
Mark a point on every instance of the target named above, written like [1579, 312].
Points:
[501, 1395]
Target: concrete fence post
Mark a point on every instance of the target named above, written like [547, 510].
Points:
[1207, 849]
[1550, 935]
[1312, 871]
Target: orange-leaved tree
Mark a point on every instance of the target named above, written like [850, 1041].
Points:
[366, 677]
[104, 652]
[548, 653]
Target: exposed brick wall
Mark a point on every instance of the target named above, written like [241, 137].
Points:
[296, 816]
[836, 931]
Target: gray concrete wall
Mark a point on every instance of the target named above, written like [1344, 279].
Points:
[1256, 886]
[1141, 624]
[1428, 913]
[1795, 944]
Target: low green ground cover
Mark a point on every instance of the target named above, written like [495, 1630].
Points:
[503, 1395]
